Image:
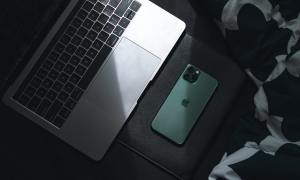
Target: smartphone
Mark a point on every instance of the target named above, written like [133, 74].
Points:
[184, 105]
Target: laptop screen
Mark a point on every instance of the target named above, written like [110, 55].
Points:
[22, 23]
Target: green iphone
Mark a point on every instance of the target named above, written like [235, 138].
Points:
[184, 105]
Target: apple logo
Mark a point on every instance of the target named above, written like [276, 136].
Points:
[185, 103]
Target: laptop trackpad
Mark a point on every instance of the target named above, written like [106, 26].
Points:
[123, 79]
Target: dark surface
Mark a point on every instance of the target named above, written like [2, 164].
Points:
[182, 160]
[22, 26]
[29, 152]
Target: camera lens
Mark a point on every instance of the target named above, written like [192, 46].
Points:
[191, 74]
[191, 69]
[194, 77]
[187, 77]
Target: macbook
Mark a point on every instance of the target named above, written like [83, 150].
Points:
[87, 75]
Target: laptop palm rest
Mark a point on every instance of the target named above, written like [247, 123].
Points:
[123, 79]
[110, 99]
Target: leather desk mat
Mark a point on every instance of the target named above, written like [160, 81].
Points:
[181, 161]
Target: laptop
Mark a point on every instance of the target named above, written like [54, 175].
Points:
[86, 76]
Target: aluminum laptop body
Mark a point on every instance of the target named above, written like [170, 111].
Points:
[114, 90]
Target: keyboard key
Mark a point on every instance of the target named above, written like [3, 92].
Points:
[53, 110]
[124, 22]
[108, 10]
[103, 36]
[88, 23]
[99, 7]
[69, 69]
[97, 27]
[92, 53]
[63, 77]
[65, 39]
[88, 6]
[47, 83]
[80, 52]
[43, 107]
[65, 58]
[123, 7]
[74, 79]
[93, 15]
[80, 70]
[75, 60]
[58, 122]
[71, 49]
[98, 44]
[57, 86]
[77, 22]
[59, 66]
[129, 14]
[114, 3]
[23, 99]
[53, 75]
[82, 14]
[42, 73]
[135, 6]
[82, 32]
[48, 65]
[53, 56]
[76, 40]
[69, 87]
[86, 61]
[103, 18]
[102, 55]
[64, 113]
[63, 96]
[118, 31]
[41, 92]
[34, 103]
[59, 48]
[51, 95]
[76, 94]
[35, 82]
[86, 43]
[112, 40]
[70, 104]
[92, 35]
[71, 31]
[114, 19]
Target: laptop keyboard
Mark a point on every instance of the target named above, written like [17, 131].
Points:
[56, 85]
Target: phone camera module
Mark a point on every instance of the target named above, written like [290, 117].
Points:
[191, 75]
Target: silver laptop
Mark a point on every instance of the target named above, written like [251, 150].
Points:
[87, 76]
